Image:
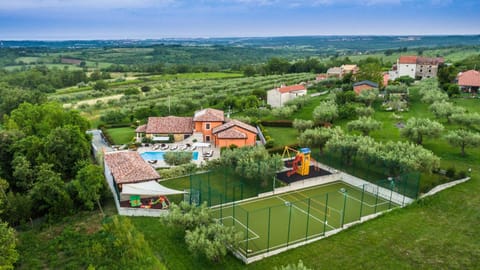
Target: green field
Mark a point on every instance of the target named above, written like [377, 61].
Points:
[121, 135]
[281, 220]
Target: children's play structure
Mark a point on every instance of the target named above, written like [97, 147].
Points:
[301, 162]
[136, 201]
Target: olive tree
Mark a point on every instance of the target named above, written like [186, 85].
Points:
[443, 109]
[364, 124]
[8, 242]
[463, 138]
[325, 113]
[417, 128]
[318, 137]
[301, 125]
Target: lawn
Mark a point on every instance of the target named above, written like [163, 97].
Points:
[282, 136]
[121, 135]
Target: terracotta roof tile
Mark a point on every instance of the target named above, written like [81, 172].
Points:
[407, 59]
[129, 167]
[232, 123]
[169, 125]
[291, 88]
[231, 134]
[469, 78]
[209, 115]
[141, 128]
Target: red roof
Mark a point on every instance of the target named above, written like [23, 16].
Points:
[386, 77]
[469, 78]
[291, 88]
[231, 134]
[129, 167]
[407, 59]
[411, 59]
[232, 123]
[141, 129]
[209, 115]
[169, 125]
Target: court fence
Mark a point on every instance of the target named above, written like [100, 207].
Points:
[292, 221]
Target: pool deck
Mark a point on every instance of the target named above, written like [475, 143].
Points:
[200, 161]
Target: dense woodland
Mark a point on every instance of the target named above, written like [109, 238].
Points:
[47, 172]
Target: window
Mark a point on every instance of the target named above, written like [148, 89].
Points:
[207, 126]
[207, 138]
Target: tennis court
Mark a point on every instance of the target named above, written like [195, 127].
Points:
[280, 220]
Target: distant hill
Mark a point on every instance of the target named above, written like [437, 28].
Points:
[355, 43]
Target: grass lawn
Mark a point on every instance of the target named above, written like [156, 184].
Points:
[282, 136]
[121, 135]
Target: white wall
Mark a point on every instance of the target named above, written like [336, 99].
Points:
[274, 98]
[407, 70]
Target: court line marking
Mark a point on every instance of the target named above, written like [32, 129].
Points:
[319, 202]
[274, 195]
[367, 204]
[243, 225]
[303, 211]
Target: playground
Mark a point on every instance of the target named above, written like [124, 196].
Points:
[300, 166]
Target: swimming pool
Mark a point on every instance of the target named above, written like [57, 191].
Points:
[159, 155]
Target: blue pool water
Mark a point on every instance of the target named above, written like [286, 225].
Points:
[159, 155]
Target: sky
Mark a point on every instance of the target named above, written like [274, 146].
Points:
[150, 19]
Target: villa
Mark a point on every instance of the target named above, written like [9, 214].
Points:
[208, 125]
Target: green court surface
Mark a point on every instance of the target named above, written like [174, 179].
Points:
[280, 220]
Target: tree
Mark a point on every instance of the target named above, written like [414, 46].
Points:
[466, 119]
[89, 185]
[65, 147]
[49, 194]
[372, 72]
[283, 112]
[100, 85]
[177, 158]
[23, 173]
[203, 234]
[463, 138]
[418, 128]
[302, 125]
[124, 247]
[318, 137]
[254, 163]
[364, 111]
[212, 240]
[325, 113]
[145, 88]
[434, 96]
[407, 80]
[364, 125]
[443, 109]
[349, 146]
[8, 242]
[368, 96]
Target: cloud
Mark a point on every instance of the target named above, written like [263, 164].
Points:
[94, 4]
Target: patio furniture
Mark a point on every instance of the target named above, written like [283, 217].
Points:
[174, 147]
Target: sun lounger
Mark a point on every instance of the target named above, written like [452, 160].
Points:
[174, 147]
[183, 148]
[193, 148]
[208, 154]
[164, 147]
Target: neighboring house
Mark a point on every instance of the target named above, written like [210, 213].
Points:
[334, 72]
[206, 120]
[127, 167]
[416, 67]
[278, 96]
[339, 72]
[364, 85]
[321, 77]
[469, 81]
[236, 133]
[386, 78]
[160, 128]
[349, 69]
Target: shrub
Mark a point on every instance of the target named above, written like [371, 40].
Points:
[450, 173]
